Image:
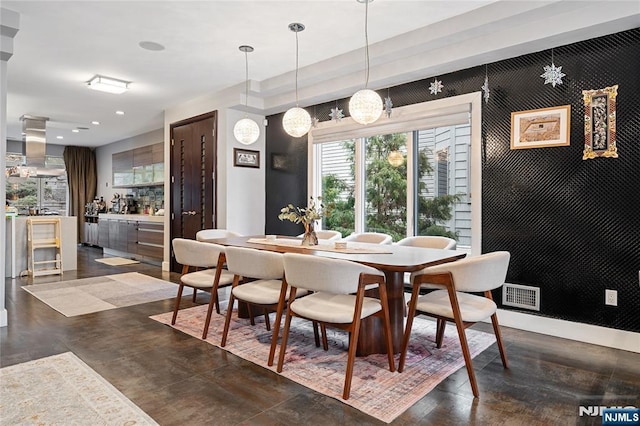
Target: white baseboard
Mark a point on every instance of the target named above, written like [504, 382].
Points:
[609, 337]
[165, 266]
[3, 318]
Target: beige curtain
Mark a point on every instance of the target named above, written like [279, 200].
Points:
[82, 178]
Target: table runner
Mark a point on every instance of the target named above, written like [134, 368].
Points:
[352, 248]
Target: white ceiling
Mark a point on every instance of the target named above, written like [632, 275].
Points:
[62, 44]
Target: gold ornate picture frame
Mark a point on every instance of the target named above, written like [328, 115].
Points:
[600, 123]
[541, 128]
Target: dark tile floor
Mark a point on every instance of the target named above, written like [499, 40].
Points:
[180, 380]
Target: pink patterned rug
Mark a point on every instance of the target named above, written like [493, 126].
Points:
[374, 390]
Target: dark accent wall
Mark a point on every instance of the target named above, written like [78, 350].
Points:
[572, 225]
[286, 180]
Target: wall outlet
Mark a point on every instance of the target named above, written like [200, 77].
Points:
[611, 297]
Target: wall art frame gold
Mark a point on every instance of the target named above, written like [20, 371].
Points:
[541, 128]
[600, 123]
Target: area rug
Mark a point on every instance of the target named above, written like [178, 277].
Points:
[374, 390]
[116, 261]
[88, 295]
[63, 390]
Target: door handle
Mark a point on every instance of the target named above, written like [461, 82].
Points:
[190, 213]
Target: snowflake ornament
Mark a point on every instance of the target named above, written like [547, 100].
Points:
[336, 114]
[485, 89]
[552, 74]
[388, 105]
[435, 87]
[314, 121]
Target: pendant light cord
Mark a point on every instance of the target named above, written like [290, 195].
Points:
[246, 79]
[296, 68]
[366, 41]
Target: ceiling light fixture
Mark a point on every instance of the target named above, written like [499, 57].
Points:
[109, 85]
[246, 130]
[119, 112]
[365, 106]
[296, 120]
[95, 123]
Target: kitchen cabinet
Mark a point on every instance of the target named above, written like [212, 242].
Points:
[140, 237]
[139, 167]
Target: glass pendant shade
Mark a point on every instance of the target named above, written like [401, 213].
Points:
[296, 122]
[365, 106]
[246, 131]
[395, 158]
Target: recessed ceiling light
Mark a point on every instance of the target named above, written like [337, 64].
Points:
[95, 123]
[75, 131]
[120, 112]
[151, 45]
[107, 84]
[59, 137]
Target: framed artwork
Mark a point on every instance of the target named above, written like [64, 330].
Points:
[541, 128]
[600, 123]
[246, 158]
[280, 162]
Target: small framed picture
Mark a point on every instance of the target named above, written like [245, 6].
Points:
[600, 123]
[541, 128]
[246, 158]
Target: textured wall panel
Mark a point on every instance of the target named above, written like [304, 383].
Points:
[572, 226]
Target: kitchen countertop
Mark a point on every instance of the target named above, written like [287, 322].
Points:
[138, 217]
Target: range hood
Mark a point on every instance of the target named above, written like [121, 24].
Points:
[35, 163]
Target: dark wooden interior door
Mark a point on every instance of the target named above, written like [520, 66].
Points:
[193, 175]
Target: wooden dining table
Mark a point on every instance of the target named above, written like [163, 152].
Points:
[393, 260]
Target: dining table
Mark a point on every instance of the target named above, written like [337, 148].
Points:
[391, 259]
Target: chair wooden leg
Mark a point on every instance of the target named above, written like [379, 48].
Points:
[177, 307]
[212, 301]
[282, 301]
[457, 317]
[252, 320]
[384, 303]
[496, 330]
[407, 331]
[323, 331]
[353, 343]
[227, 320]
[266, 320]
[283, 344]
[316, 334]
[441, 325]
[195, 292]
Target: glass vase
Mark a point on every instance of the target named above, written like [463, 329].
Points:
[309, 238]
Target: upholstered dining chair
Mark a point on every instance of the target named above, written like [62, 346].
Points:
[337, 300]
[479, 274]
[197, 254]
[426, 241]
[327, 234]
[211, 234]
[429, 241]
[265, 292]
[369, 237]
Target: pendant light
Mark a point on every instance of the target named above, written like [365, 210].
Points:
[365, 106]
[246, 130]
[296, 120]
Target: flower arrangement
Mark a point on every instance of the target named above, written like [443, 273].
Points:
[307, 216]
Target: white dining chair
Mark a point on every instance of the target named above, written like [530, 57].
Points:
[196, 254]
[337, 300]
[479, 274]
[369, 237]
[266, 291]
[429, 241]
[212, 234]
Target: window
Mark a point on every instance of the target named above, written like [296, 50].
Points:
[403, 177]
[46, 192]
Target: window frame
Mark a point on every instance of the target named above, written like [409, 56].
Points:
[438, 113]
